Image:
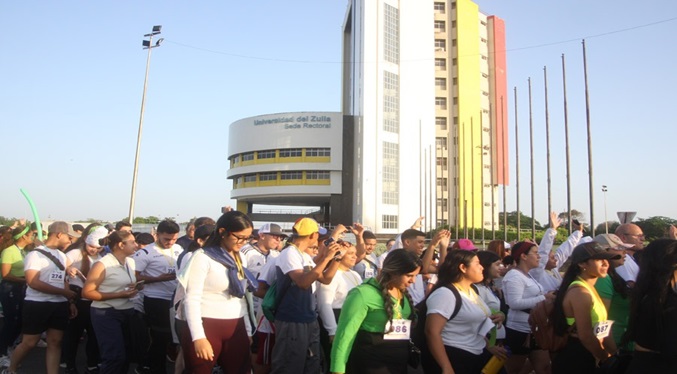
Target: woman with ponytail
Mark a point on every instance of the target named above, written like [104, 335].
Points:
[373, 330]
[13, 287]
[82, 255]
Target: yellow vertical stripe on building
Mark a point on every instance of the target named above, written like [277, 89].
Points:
[469, 107]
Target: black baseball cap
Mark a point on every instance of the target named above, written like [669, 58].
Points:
[591, 250]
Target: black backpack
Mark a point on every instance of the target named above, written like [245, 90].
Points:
[418, 332]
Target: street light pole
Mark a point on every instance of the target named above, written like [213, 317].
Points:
[606, 221]
[147, 44]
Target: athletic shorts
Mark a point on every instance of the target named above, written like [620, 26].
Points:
[266, 342]
[39, 316]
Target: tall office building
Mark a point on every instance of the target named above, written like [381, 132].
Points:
[388, 96]
[470, 114]
[424, 83]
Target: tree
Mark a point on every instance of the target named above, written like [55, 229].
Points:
[149, 219]
[601, 228]
[575, 214]
[525, 221]
[655, 227]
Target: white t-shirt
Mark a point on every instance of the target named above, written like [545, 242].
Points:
[117, 278]
[494, 304]
[521, 292]
[331, 296]
[75, 257]
[467, 329]
[255, 262]
[417, 289]
[629, 270]
[154, 261]
[268, 275]
[48, 273]
[207, 294]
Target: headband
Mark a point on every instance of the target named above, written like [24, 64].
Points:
[23, 232]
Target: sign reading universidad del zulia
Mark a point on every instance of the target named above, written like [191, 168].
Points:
[298, 122]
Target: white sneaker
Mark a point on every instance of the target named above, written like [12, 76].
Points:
[6, 371]
[4, 361]
[42, 344]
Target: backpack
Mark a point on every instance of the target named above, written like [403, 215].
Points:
[274, 296]
[543, 327]
[418, 331]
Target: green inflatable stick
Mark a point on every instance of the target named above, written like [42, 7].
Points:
[36, 218]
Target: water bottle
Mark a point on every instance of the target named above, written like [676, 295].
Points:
[494, 365]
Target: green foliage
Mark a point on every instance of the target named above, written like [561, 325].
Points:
[7, 221]
[601, 228]
[525, 221]
[149, 219]
[655, 227]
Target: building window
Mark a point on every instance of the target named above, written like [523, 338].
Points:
[454, 62]
[484, 57]
[318, 152]
[441, 123]
[453, 5]
[265, 154]
[291, 152]
[250, 178]
[442, 204]
[391, 170]
[439, 8]
[442, 161]
[391, 45]
[442, 182]
[455, 100]
[441, 83]
[248, 156]
[485, 75]
[440, 45]
[483, 23]
[268, 176]
[389, 221]
[440, 26]
[291, 175]
[317, 174]
[455, 122]
[391, 102]
[441, 103]
[440, 64]
[453, 24]
[485, 93]
[483, 40]
[454, 81]
[236, 159]
[441, 143]
[453, 42]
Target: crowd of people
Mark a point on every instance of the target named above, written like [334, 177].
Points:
[226, 297]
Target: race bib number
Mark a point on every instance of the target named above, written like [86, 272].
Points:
[400, 331]
[602, 329]
[368, 273]
[57, 277]
[171, 269]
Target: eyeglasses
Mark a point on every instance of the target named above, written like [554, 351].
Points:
[240, 239]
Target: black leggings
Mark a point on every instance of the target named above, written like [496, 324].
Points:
[574, 358]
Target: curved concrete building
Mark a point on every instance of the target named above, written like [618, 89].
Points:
[290, 158]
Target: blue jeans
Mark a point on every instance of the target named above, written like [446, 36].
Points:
[112, 332]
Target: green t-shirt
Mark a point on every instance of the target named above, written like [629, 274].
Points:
[619, 310]
[15, 256]
[362, 310]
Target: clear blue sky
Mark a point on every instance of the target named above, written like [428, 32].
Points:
[71, 79]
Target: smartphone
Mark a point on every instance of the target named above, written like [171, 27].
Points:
[139, 285]
[328, 242]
